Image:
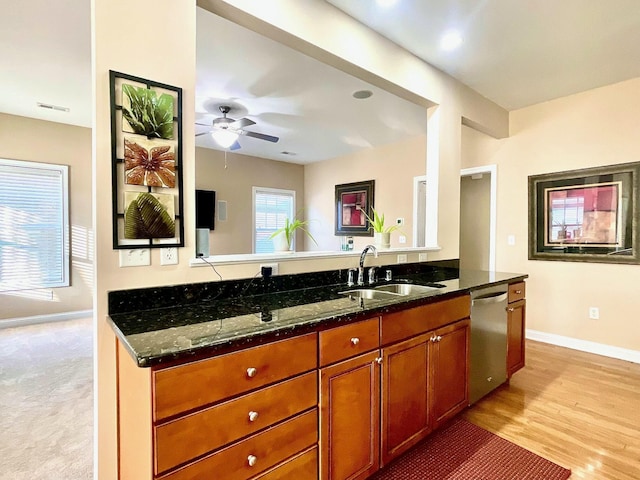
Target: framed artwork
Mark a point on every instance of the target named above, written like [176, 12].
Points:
[352, 200]
[588, 215]
[146, 158]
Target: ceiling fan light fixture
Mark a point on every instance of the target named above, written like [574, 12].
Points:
[224, 138]
[451, 40]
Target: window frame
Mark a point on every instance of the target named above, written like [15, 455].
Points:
[282, 191]
[65, 277]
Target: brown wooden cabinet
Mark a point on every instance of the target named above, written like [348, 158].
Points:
[516, 326]
[381, 384]
[425, 377]
[405, 396]
[350, 418]
[233, 416]
[449, 371]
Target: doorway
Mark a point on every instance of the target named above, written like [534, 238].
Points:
[478, 218]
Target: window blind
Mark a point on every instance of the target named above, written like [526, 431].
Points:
[271, 209]
[34, 232]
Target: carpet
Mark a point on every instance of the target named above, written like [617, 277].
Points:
[46, 400]
[464, 451]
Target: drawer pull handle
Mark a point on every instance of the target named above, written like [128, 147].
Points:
[510, 309]
[251, 460]
[355, 341]
[251, 372]
[518, 292]
[253, 416]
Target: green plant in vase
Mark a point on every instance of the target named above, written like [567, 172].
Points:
[381, 234]
[283, 237]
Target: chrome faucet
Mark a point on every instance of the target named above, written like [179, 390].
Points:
[361, 267]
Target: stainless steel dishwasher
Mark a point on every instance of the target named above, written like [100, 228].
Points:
[488, 367]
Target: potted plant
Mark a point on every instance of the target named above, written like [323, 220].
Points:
[283, 237]
[381, 234]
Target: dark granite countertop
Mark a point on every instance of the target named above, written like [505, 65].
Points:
[218, 322]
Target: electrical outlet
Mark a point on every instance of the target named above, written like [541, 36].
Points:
[135, 257]
[422, 257]
[169, 256]
[402, 258]
[594, 313]
[402, 239]
[274, 267]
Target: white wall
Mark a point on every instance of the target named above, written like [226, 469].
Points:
[392, 167]
[589, 129]
[48, 142]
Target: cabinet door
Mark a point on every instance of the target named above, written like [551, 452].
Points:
[350, 418]
[405, 405]
[515, 336]
[449, 369]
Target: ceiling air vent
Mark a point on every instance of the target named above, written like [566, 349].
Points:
[52, 107]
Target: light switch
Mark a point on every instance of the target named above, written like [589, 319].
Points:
[135, 257]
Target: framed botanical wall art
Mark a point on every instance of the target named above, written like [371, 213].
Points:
[146, 157]
[352, 201]
[588, 215]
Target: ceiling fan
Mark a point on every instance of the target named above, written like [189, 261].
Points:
[225, 131]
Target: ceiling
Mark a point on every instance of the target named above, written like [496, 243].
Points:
[514, 53]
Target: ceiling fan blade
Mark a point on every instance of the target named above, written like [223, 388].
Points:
[261, 136]
[242, 122]
[204, 124]
[203, 133]
[235, 146]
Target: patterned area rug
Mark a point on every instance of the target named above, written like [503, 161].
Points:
[464, 451]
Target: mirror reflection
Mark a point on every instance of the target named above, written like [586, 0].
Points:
[277, 130]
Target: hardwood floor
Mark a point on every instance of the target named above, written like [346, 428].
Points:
[577, 409]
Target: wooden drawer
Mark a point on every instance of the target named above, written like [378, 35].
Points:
[185, 387]
[265, 449]
[414, 321]
[516, 292]
[185, 438]
[349, 340]
[303, 466]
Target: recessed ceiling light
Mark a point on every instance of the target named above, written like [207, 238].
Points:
[362, 94]
[387, 3]
[451, 40]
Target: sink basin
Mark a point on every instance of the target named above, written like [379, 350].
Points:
[405, 289]
[370, 294]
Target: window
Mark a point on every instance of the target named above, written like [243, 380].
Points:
[271, 207]
[34, 225]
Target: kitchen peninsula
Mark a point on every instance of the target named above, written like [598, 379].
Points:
[252, 378]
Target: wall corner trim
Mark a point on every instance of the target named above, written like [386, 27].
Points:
[36, 319]
[585, 346]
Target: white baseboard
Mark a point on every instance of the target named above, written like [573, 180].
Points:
[54, 317]
[585, 346]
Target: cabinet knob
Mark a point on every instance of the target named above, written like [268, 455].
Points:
[253, 416]
[518, 292]
[379, 360]
[433, 339]
[251, 460]
[510, 309]
[251, 372]
[438, 338]
[355, 341]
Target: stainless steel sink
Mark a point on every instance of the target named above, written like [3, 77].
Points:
[405, 289]
[370, 294]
